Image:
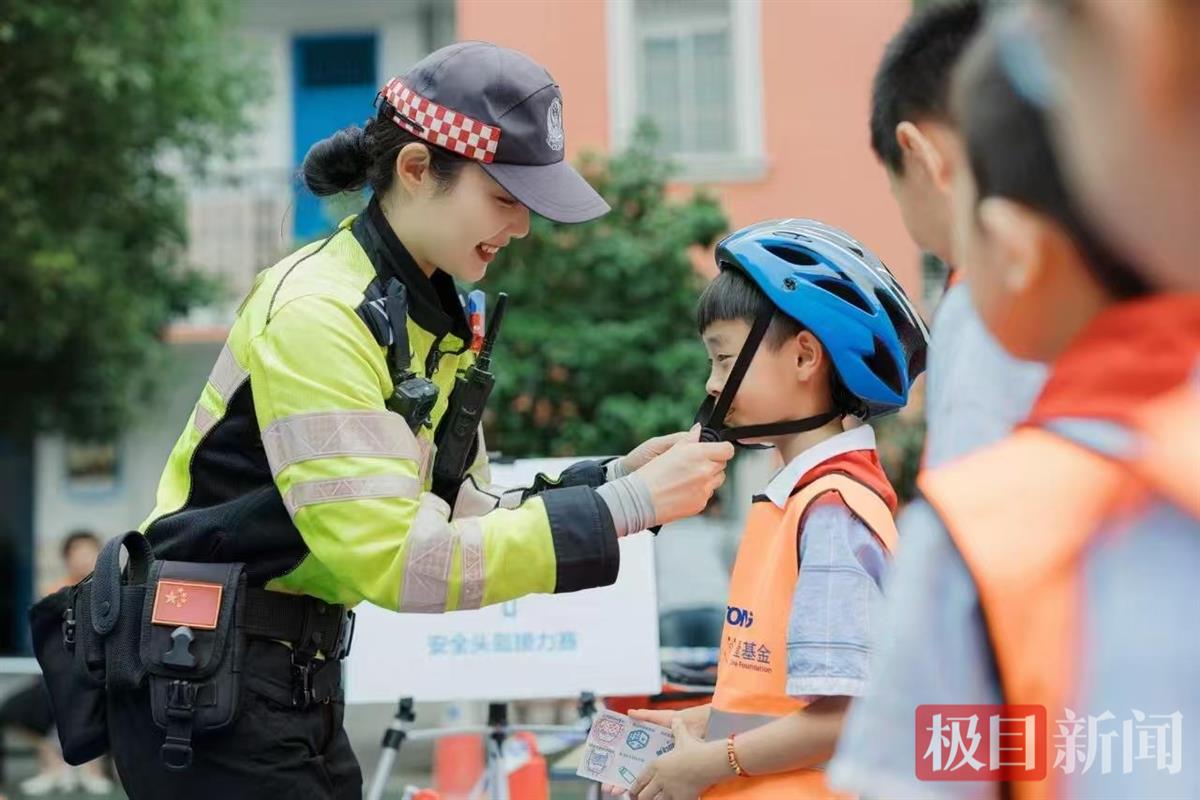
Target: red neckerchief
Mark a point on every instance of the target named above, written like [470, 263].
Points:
[861, 465]
[1131, 353]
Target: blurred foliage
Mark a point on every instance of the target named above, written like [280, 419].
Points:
[599, 350]
[105, 103]
[900, 439]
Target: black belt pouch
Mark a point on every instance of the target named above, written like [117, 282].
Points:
[192, 646]
[78, 631]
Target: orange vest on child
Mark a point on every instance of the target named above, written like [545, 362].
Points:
[752, 675]
[1024, 512]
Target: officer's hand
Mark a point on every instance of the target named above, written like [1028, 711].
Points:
[682, 480]
[649, 450]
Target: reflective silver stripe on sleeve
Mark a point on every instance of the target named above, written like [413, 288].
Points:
[333, 490]
[470, 533]
[328, 434]
[425, 584]
[227, 374]
[204, 421]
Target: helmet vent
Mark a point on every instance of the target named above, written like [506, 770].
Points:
[793, 255]
[844, 291]
[908, 329]
[884, 367]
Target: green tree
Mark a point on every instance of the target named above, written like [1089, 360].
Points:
[599, 350]
[901, 443]
[98, 98]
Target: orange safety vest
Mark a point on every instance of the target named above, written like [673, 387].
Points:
[752, 674]
[1023, 512]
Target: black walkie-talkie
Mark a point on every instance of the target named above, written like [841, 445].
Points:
[456, 433]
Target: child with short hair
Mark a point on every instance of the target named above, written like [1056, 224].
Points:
[804, 326]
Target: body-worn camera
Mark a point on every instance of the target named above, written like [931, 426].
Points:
[414, 400]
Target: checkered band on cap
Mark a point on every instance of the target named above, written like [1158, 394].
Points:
[440, 125]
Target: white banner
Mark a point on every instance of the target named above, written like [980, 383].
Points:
[601, 640]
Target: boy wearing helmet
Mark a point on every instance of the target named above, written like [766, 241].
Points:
[804, 326]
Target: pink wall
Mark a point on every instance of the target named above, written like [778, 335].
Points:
[565, 36]
[818, 59]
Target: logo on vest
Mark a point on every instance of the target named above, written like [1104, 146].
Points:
[745, 654]
[739, 617]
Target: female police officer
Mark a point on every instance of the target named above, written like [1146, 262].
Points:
[293, 463]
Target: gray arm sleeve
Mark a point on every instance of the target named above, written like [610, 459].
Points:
[931, 649]
[630, 504]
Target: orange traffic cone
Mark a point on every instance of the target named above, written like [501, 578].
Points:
[530, 781]
[457, 766]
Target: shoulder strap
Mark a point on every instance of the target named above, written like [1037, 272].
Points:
[385, 313]
[866, 505]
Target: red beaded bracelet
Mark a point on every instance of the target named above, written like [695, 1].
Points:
[731, 754]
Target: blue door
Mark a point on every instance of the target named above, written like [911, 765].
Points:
[335, 83]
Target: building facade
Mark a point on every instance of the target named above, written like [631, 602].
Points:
[764, 101]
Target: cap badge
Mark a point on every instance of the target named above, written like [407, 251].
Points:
[554, 125]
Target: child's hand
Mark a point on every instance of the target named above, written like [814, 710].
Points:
[695, 718]
[685, 772]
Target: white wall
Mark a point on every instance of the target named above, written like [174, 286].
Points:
[240, 219]
[270, 25]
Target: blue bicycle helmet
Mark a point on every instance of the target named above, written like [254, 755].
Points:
[831, 284]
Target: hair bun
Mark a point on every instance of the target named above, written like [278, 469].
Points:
[337, 163]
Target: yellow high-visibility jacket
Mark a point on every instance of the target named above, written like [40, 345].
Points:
[292, 463]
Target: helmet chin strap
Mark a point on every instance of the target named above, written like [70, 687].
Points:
[711, 415]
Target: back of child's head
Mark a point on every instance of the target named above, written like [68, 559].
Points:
[912, 82]
[1010, 155]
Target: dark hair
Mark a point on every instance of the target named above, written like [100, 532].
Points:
[733, 296]
[75, 537]
[355, 157]
[1011, 155]
[913, 79]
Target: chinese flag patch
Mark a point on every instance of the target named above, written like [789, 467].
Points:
[197, 605]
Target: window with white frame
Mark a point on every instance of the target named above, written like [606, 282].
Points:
[692, 69]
